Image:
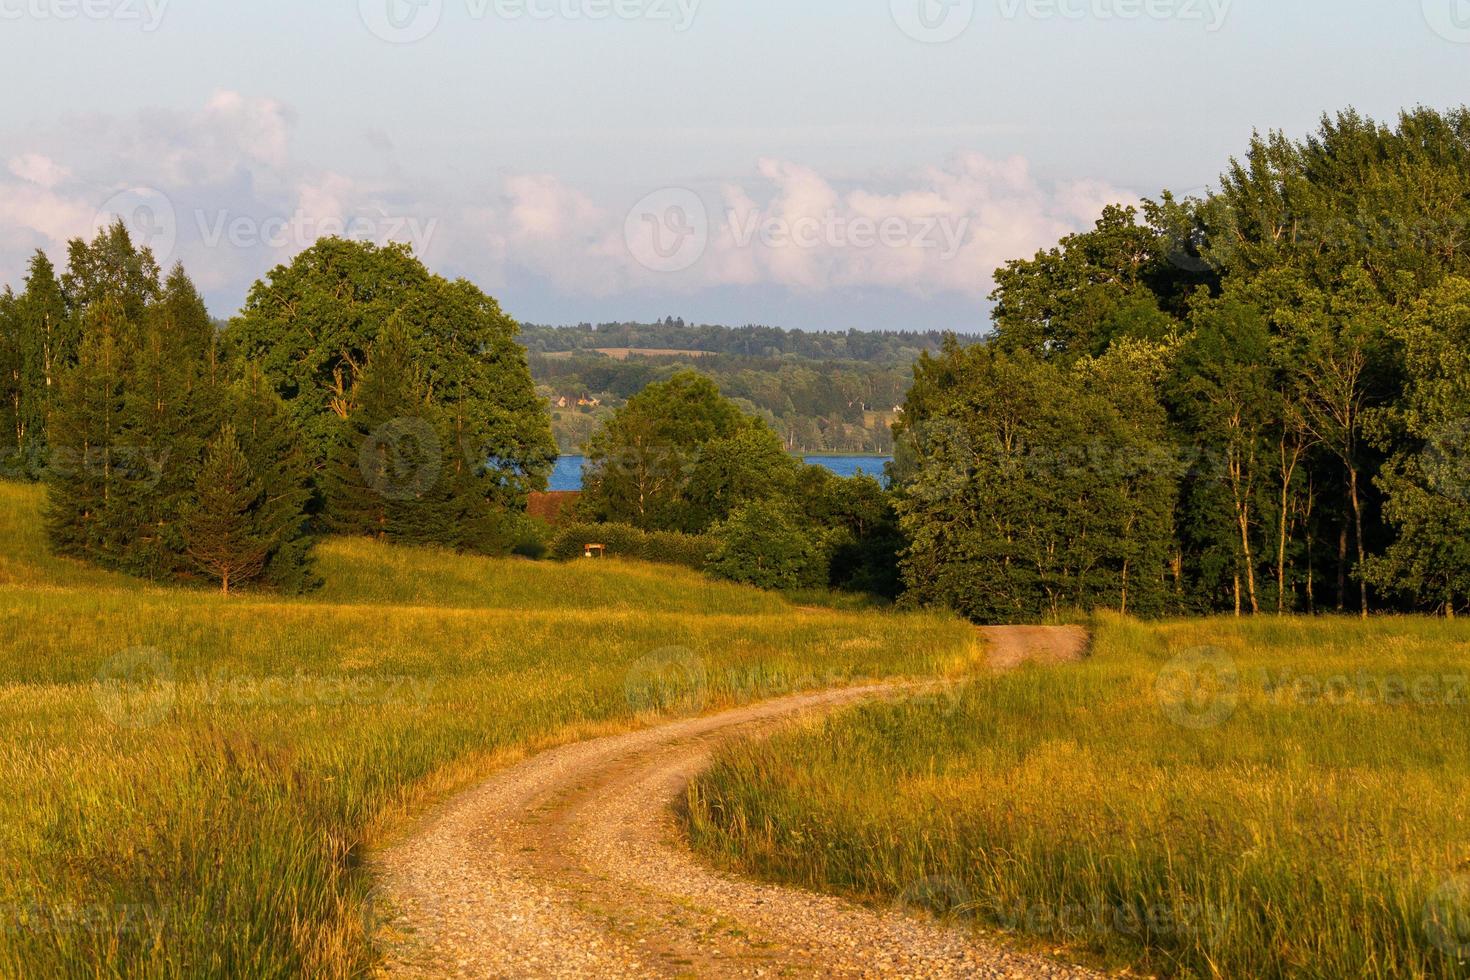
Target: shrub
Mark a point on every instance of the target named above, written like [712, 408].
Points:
[626, 541]
[759, 545]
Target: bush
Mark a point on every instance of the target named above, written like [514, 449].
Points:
[626, 541]
[759, 545]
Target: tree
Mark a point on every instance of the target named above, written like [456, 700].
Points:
[85, 465]
[1025, 488]
[760, 545]
[391, 474]
[311, 325]
[277, 457]
[641, 462]
[221, 534]
[1427, 480]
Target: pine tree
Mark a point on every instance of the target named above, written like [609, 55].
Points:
[170, 411]
[82, 473]
[222, 533]
[277, 455]
[12, 390]
[47, 341]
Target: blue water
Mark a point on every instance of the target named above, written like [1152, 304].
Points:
[568, 472]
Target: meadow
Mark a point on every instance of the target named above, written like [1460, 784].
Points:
[1259, 798]
[194, 783]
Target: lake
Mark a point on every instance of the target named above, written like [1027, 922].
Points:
[568, 472]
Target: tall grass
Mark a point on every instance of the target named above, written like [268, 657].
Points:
[192, 783]
[1266, 798]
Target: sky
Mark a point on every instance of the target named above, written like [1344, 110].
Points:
[821, 164]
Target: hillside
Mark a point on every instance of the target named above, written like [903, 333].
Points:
[193, 781]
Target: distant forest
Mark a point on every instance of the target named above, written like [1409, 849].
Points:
[821, 392]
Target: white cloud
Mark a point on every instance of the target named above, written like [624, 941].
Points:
[38, 169]
[244, 202]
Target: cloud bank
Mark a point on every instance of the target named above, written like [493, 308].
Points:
[220, 189]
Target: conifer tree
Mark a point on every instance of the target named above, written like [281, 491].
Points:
[277, 455]
[221, 531]
[82, 470]
[12, 400]
[170, 410]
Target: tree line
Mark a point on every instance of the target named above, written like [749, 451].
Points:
[816, 406]
[1255, 401]
[891, 347]
[355, 393]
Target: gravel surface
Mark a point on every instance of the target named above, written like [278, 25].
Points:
[569, 865]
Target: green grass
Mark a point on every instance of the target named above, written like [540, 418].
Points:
[192, 782]
[1150, 807]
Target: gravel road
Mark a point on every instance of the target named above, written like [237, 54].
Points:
[569, 865]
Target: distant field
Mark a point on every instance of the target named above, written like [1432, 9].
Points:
[623, 353]
[1265, 798]
[192, 783]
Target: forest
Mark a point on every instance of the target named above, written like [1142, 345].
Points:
[1256, 401]
[821, 392]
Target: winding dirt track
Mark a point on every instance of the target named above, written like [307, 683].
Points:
[569, 865]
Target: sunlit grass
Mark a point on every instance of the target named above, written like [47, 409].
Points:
[192, 782]
[1204, 798]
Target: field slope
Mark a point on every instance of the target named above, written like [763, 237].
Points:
[192, 782]
[1266, 798]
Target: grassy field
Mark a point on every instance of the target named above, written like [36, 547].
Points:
[192, 782]
[1240, 799]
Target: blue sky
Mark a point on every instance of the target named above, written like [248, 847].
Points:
[819, 164]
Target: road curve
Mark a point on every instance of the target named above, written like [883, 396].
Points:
[569, 865]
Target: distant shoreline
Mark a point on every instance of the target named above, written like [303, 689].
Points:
[567, 474]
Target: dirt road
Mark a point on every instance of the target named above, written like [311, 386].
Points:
[569, 865]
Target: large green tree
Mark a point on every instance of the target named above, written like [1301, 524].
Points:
[680, 457]
[311, 324]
